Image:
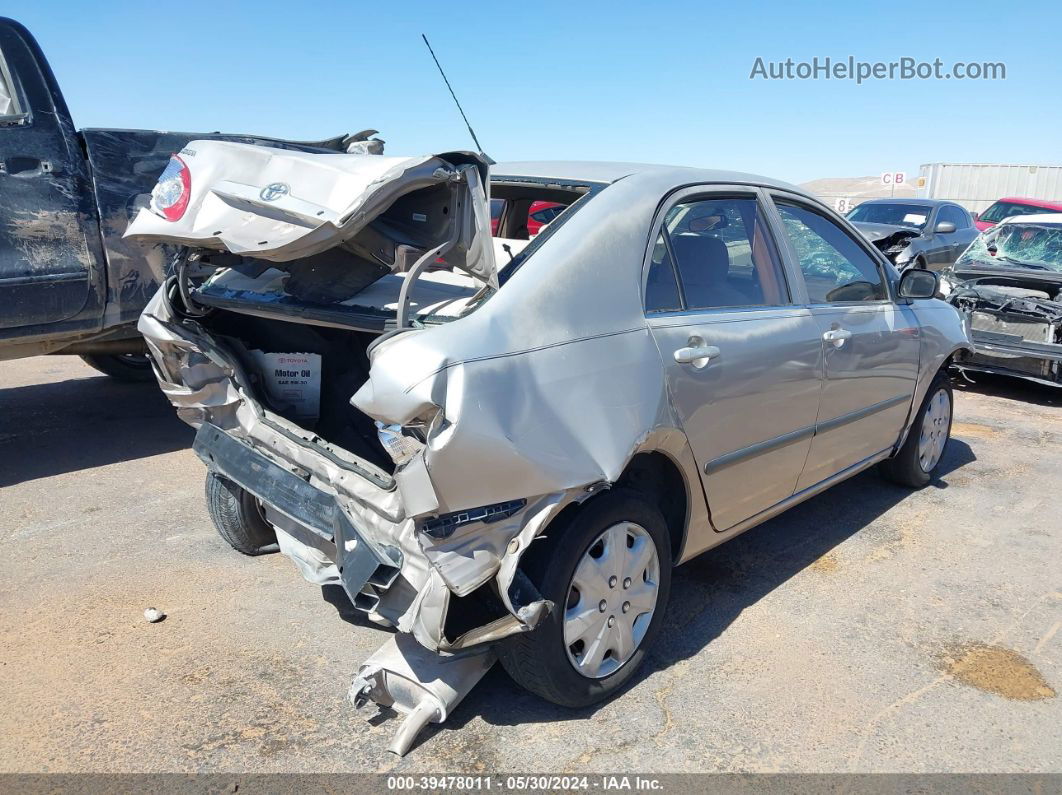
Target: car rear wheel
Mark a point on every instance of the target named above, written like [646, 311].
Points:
[924, 447]
[608, 574]
[130, 367]
[238, 518]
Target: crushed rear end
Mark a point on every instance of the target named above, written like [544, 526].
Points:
[296, 269]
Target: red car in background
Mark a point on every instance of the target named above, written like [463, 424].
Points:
[538, 215]
[1005, 208]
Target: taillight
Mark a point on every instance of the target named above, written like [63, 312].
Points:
[173, 190]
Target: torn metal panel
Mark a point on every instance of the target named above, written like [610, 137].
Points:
[125, 165]
[423, 687]
[281, 206]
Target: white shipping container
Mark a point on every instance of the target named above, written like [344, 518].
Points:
[976, 185]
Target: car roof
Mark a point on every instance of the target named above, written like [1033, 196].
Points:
[605, 173]
[1041, 218]
[905, 200]
[1054, 205]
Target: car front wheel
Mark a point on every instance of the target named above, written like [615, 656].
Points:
[608, 576]
[923, 449]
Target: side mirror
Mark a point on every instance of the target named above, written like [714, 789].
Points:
[945, 228]
[919, 283]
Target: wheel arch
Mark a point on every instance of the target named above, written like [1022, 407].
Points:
[658, 477]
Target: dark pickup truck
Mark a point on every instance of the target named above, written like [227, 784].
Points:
[69, 283]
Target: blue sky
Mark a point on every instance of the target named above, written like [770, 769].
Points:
[666, 82]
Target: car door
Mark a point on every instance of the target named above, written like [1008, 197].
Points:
[48, 272]
[964, 233]
[742, 361]
[870, 343]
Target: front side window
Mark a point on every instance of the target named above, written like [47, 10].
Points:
[718, 249]
[836, 268]
[952, 213]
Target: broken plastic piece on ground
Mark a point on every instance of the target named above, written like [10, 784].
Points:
[422, 685]
[154, 615]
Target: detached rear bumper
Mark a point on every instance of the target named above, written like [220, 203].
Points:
[316, 518]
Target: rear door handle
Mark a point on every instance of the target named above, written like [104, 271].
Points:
[698, 356]
[837, 336]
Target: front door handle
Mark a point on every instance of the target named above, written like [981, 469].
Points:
[837, 336]
[698, 356]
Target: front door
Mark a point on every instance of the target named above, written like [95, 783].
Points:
[870, 343]
[48, 273]
[742, 362]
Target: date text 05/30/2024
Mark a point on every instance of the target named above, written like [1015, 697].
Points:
[517, 783]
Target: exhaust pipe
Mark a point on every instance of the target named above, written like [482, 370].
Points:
[420, 684]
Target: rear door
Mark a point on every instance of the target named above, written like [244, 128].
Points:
[49, 240]
[870, 343]
[742, 361]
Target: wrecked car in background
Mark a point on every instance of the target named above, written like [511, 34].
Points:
[915, 233]
[501, 447]
[69, 282]
[1008, 284]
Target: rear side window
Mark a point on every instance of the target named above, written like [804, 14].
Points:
[712, 254]
[835, 267]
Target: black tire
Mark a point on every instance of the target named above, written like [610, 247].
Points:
[237, 517]
[128, 367]
[906, 468]
[538, 660]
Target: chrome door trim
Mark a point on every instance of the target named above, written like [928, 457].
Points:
[807, 493]
[859, 414]
[766, 446]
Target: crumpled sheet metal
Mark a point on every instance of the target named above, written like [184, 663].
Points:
[206, 385]
[563, 418]
[281, 205]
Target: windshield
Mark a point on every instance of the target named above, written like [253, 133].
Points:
[1000, 210]
[1032, 246]
[898, 214]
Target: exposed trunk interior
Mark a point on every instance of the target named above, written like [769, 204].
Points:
[344, 368]
[335, 304]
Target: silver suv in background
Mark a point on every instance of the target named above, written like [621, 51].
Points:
[507, 458]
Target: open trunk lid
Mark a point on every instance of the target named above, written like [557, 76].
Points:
[373, 214]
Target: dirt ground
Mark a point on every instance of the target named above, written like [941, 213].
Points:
[870, 629]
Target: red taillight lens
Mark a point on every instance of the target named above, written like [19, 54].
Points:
[173, 190]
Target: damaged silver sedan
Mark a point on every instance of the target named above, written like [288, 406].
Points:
[502, 444]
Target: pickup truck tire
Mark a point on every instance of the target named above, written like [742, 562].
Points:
[619, 609]
[923, 450]
[130, 367]
[238, 517]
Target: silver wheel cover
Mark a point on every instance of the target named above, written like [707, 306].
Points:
[936, 425]
[611, 600]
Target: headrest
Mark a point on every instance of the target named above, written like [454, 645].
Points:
[701, 255]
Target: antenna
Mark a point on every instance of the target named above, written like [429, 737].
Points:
[452, 94]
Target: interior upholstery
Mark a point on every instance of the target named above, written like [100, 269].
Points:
[704, 264]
